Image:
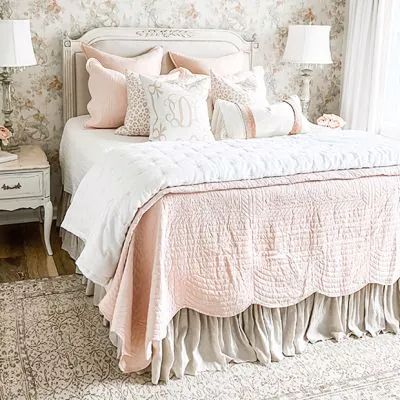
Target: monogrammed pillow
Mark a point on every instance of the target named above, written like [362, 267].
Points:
[238, 121]
[178, 109]
[137, 117]
[246, 88]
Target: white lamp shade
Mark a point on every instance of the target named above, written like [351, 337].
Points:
[16, 44]
[308, 44]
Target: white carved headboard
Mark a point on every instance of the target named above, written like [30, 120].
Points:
[129, 42]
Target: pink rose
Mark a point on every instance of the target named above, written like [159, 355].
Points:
[5, 134]
[331, 121]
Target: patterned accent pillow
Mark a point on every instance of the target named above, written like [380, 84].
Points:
[247, 88]
[137, 118]
[239, 121]
[178, 109]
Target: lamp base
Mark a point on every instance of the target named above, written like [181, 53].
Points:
[305, 96]
[6, 80]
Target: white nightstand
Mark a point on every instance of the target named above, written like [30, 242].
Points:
[25, 183]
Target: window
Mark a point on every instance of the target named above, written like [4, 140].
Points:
[390, 124]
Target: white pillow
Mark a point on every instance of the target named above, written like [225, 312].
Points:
[246, 88]
[178, 109]
[238, 121]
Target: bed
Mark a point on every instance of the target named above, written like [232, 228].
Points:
[204, 254]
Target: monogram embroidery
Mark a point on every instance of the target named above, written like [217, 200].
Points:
[178, 109]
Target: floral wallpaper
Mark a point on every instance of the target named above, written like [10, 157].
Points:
[38, 90]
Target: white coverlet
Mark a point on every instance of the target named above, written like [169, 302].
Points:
[115, 188]
[82, 147]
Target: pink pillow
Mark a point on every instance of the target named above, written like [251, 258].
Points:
[225, 65]
[147, 63]
[109, 102]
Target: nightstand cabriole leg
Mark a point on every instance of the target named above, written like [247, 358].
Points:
[48, 219]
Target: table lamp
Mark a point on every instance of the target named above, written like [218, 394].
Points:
[307, 45]
[16, 52]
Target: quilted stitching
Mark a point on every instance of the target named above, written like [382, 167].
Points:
[217, 249]
[114, 189]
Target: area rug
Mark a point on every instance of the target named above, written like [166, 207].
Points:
[53, 345]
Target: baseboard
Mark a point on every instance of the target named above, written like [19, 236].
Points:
[21, 216]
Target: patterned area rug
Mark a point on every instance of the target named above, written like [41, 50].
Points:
[54, 346]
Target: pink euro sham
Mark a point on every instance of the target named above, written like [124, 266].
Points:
[225, 65]
[148, 63]
[109, 101]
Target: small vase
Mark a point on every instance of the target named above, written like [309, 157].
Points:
[11, 147]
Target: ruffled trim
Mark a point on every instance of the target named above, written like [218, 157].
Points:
[196, 342]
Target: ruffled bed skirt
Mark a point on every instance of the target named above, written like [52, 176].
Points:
[70, 243]
[197, 342]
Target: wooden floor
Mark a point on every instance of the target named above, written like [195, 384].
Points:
[23, 255]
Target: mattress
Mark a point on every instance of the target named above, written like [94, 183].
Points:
[81, 148]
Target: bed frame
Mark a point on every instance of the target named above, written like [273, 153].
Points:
[129, 42]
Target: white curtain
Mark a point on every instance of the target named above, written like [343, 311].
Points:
[390, 124]
[367, 63]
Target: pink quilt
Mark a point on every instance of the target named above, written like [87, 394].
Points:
[218, 248]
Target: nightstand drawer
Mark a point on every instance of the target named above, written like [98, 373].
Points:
[21, 185]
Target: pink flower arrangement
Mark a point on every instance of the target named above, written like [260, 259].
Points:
[331, 121]
[5, 134]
